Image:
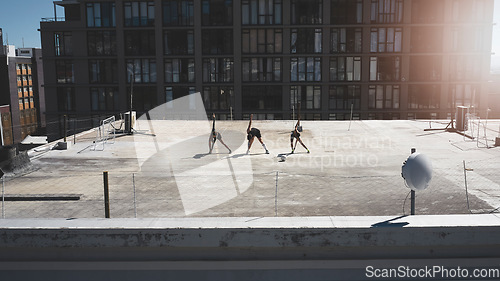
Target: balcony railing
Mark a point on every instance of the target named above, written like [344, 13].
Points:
[53, 19]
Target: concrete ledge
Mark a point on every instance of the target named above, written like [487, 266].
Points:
[42, 197]
[297, 232]
[328, 248]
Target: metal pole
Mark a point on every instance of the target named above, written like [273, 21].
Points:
[3, 198]
[132, 77]
[74, 130]
[466, 188]
[1, 128]
[350, 120]
[412, 195]
[276, 197]
[106, 194]
[65, 127]
[135, 198]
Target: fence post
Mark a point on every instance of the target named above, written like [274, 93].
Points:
[106, 194]
[135, 198]
[65, 127]
[3, 195]
[412, 197]
[276, 197]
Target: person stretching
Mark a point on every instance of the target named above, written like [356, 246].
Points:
[296, 135]
[214, 136]
[252, 133]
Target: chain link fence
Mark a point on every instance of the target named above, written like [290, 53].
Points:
[277, 193]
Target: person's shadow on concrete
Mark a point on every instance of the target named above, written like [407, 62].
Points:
[200, 155]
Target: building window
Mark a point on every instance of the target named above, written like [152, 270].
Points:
[426, 39]
[64, 72]
[144, 98]
[469, 11]
[262, 97]
[385, 68]
[346, 11]
[305, 69]
[139, 13]
[261, 69]
[383, 96]
[217, 12]
[425, 68]
[140, 42]
[384, 39]
[262, 41]
[103, 71]
[307, 12]
[218, 70]
[104, 99]
[308, 96]
[217, 42]
[386, 11]
[172, 93]
[66, 99]
[179, 70]
[345, 40]
[345, 69]
[306, 41]
[217, 98]
[178, 13]
[101, 43]
[178, 42]
[343, 97]
[424, 96]
[62, 43]
[468, 39]
[101, 14]
[261, 12]
[427, 11]
[464, 95]
[142, 70]
[465, 67]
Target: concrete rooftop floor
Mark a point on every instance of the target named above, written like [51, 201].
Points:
[354, 169]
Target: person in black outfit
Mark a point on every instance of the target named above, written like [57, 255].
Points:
[252, 133]
[296, 135]
[214, 136]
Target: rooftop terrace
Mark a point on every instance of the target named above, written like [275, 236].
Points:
[164, 170]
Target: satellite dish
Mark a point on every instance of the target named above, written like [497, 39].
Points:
[417, 171]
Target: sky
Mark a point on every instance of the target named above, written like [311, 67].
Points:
[20, 20]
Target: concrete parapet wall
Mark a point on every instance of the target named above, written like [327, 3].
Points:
[236, 247]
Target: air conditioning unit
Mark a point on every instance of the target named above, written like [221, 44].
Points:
[130, 122]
